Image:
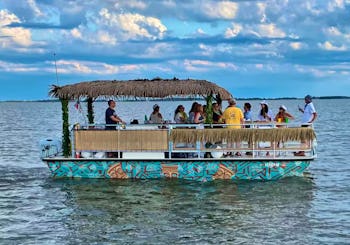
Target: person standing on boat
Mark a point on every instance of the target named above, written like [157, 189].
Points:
[309, 116]
[247, 112]
[233, 115]
[156, 117]
[265, 115]
[309, 111]
[111, 115]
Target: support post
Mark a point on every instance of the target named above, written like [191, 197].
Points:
[90, 110]
[66, 144]
[209, 109]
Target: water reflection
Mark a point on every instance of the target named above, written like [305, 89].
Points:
[181, 211]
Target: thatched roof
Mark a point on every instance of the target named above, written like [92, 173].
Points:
[156, 88]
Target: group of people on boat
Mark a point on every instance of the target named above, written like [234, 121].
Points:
[232, 115]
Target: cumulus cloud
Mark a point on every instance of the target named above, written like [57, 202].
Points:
[136, 25]
[220, 10]
[182, 37]
[17, 36]
[115, 26]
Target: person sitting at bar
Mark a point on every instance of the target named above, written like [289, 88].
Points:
[217, 113]
[111, 115]
[199, 116]
[156, 117]
[180, 115]
[191, 112]
[283, 116]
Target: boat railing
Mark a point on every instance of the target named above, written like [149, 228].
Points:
[254, 140]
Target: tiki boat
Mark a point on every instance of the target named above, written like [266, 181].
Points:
[185, 151]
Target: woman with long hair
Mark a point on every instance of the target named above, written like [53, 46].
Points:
[180, 115]
[265, 114]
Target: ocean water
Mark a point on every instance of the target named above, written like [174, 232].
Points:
[36, 209]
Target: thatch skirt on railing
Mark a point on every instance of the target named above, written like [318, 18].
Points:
[121, 140]
[238, 135]
[158, 139]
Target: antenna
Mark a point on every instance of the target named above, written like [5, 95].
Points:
[54, 55]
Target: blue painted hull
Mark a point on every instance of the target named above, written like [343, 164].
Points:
[197, 170]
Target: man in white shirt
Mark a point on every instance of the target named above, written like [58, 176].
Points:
[309, 116]
[309, 111]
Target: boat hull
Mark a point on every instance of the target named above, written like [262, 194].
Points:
[197, 170]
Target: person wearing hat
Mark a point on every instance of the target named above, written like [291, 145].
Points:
[309, 116]
[156, 117]
[265, 114]
[233, 115]
[309, 111]
[282, 115]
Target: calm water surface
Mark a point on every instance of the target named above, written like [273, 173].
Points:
[36, 209]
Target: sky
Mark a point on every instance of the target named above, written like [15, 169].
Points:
[270, 49]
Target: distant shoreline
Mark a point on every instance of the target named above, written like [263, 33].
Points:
[191, 99]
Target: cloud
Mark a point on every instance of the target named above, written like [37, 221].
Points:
[159, 50]
[114, 27]
[336, 4]
[203, 65]
[7, 18]
[317, 72]
[220, 10]
[16, 68]
[330, 47]
[138, 26]
[88, 67]
[271, 31]
[32, 4]
[296, 45]
[18, 36]
[133, 4]
[234, 31]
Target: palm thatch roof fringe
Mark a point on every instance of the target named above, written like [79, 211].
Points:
[156, 88]
[244, 134]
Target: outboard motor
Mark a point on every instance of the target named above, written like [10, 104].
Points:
[50, 147]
